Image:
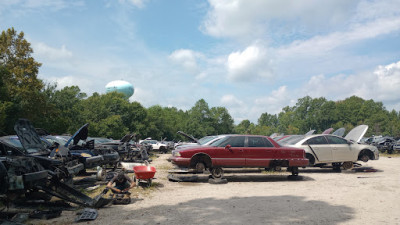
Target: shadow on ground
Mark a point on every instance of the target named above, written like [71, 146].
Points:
[362, 169]
[239, 177]
[285, 209]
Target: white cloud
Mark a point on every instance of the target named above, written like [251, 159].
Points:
[188, 59]
[231, 101]
[137, 3]
[46, 52]
[382, 84]
[241, 18]
[250, 64]
[320, 45]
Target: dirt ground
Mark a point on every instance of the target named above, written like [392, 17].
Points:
[318, 196]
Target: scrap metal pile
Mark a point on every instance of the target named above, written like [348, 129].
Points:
[34, 168]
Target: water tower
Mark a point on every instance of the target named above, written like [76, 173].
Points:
[120, 86]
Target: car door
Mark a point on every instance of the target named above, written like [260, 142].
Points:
[258, 151]
[230, 152]
[320, 148]
[341, 149]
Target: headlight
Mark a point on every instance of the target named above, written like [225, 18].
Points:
[85, 155]
[176, 154]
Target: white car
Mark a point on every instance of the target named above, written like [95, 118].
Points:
[156, 145]
[207, 140]
[326, 149]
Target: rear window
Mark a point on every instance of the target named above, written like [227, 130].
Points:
[259, 142]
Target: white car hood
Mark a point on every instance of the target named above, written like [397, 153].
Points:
[357, 133]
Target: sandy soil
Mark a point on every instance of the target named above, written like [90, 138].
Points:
[318, 196]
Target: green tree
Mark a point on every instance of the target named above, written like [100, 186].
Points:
[222, 121]
[22, 83]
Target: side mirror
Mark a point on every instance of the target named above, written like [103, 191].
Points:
[349, 142]
[228, 147]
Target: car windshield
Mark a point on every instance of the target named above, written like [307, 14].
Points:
[13, 141]
[59, 140]
[206, 139]
[99, 140]
[291, 140]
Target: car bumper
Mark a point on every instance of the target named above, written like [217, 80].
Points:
[111, 158]
[179, 161]
[73, 170]
[93, 161]
[298, 162]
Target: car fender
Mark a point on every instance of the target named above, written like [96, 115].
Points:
[202, 154]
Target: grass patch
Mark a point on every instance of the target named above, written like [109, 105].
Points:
[95, 192]
[165, 167]
[147, 190]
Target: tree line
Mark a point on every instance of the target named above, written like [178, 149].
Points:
[59, 111]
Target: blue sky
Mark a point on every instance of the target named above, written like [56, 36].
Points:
[250, 56]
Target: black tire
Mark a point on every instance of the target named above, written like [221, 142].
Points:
[200, 167]
[295, 171]
[364, 157]
[217, 172]
[162, 149]
[347, 165]
[311, 159]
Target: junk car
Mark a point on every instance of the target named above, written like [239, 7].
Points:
[237, 151]
[328, 149]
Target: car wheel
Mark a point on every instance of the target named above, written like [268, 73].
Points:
[162, 149]
[101, 174]
[295, 171]
[347, 165]
[336, 166]
[311, 160]
[200, 167]
[364, 158]
[217, 172]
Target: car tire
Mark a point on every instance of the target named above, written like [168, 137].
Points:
[217, 172]
[311, 159]
[347, 165]
[364, 158]
[200, 167]
[295, 171]
[162, 149]
[337, 167]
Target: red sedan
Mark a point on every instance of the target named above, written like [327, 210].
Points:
[236, 151]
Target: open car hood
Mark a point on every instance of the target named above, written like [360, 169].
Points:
[357, 133]
[310, 132]
[126, 138]
[27, 135]
[81, 134]
[339, 132]
[328, 131]
[188, 136]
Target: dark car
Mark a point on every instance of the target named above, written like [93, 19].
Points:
[240, 151]
[128, 151]
[19, 173]
[86, 151]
